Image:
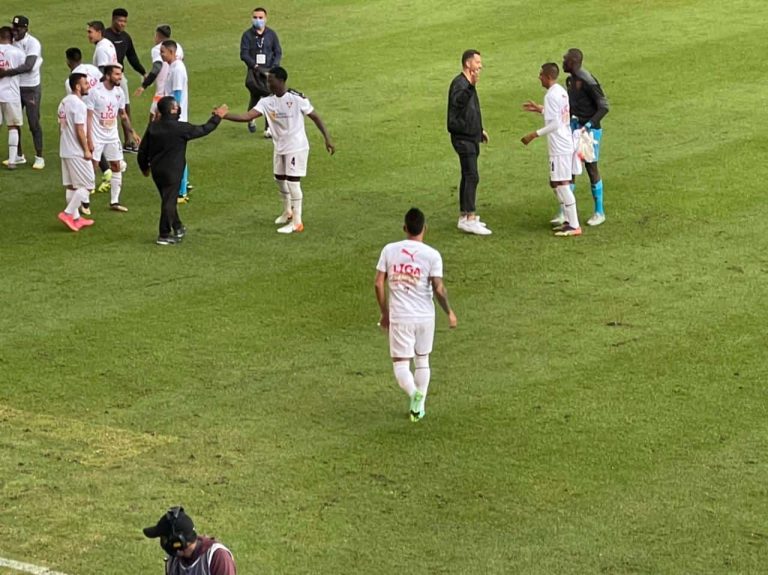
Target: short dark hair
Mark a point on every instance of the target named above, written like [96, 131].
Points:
[119, 13]
[576, 54]
[6, 33]
[279, 73]
[109, 67]
[550, 70]
[170, 44]
[260, 9]
[164, 30]
[165, 105]
[74, 79]
[414, 221]
[74, 55]
[468, 55]
[97, 25]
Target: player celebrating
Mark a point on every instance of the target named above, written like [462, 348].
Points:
[588, 106]
[557, 117]
[106, 104]
[413, 272]
[11, 58]
[76, 168]
[286, 110]
[30, 86]
[104, 52]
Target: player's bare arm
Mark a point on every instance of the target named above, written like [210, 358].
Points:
[320, 126]
[247, 117]
[82, 138]
[531, 106]
[441, 295]
[381, 297]
[528, 138]
[127, 127]
[89, 130]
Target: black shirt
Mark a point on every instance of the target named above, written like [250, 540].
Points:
[267, 43]
[464, 118]
[124, 47]
[586, 98]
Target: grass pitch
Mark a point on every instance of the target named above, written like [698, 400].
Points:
[601, 407]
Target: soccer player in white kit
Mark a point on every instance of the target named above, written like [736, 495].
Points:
[104, 52]
[10, 93]
[106, 104]
[74, 150]
[413, 273]
[75, 64]
[286, 110]
[562, 156]
[159, 71]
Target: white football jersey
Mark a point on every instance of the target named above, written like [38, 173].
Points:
[72, 111]
[177, 80]
[286, 120]
[31, 47]
[163, 73]
[409, 265]
[10, 58]
[104, 54]
[93, 74]
[557, 109]
[105, 105]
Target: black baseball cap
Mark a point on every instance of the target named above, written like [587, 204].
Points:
[20, 21]
[166, 526]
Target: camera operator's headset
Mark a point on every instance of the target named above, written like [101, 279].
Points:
[176, 541]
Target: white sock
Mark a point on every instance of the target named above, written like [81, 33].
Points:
[569, 205]
[404, 376]
[73, 202]
[13, 145]
[285, 195]
[422, 375]
[117, 184]
[297, 198]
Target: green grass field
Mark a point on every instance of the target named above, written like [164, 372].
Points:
[601, 407]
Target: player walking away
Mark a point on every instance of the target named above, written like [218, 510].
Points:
[411, 272]
[562, 156]
[159, 71]
[177, 85]
[106, 104]
[187, 552]
[163, 154]
[588, 107]
[124, 48]
[29, 82]
[286, 110]
[11, 58]
[261, 51]
[74, 150]
[104, 52]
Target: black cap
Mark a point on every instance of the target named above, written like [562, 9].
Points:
[173, 522]
[21, 21]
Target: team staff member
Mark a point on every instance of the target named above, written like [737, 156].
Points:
[163, 154]
[588, 105]
[465, 124]
[260, 50]
[124, 48]
[189, 553]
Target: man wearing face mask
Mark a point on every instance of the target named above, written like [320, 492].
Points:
[162, 153]
[260, 50]
[187, 552]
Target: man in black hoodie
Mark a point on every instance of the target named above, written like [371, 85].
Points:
[163, 154]
[465, 124]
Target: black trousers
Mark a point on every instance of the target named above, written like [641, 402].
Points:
[256, 83]
[468, 151]
[169, 214]
[30, 100]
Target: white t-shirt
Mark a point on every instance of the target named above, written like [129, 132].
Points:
[177, 80]
[286, 120]
[163, 74]
[31, 47]
[72, 111]
[409, 265]
[92, 73]
[557, 110]
[10, 58]
[104, 54]
[105, 105]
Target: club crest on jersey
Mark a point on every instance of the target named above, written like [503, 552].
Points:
[289, 104]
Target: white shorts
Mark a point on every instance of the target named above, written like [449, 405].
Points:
[124, 87]
[561, 168]
[294, 164]
[409, 339]
[10, 114]
[77, 173]
[112, 151]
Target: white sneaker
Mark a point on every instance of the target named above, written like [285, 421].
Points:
[463, 220]
[38, 165]
[477, 228]
[267, 134]
[19, 160]
[558, 220]
[596, 219]
[284, 218]
[291, 228]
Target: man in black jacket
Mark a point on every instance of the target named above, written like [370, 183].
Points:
[163, 153]
[465, 124]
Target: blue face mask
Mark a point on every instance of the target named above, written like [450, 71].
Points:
[258, 23]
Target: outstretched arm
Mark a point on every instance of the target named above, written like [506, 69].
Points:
[320, 126]
[441, 295]
[214, 121]
[251, 114]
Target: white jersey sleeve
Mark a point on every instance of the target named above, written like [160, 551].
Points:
[557, 117]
